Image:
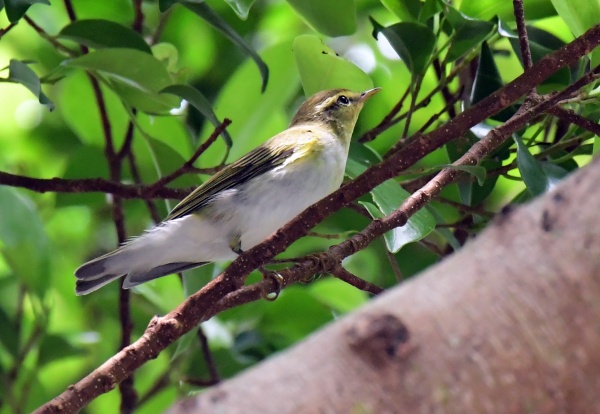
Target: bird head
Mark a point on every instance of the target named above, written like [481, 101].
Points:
[335, 109]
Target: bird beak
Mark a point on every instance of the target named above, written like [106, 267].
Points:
[367, 94]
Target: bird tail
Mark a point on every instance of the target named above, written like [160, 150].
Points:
[147, 257]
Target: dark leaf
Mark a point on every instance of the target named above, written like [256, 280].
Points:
[15, 9]
[414, 43]
[19, 72]
[99, 33]
[198, 101]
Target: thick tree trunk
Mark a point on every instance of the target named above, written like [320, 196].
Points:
[510, 324]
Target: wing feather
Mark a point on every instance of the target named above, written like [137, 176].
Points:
[255, 163]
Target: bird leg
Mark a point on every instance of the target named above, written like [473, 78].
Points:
[277, 278]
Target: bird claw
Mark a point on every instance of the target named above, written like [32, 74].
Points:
[279, 281]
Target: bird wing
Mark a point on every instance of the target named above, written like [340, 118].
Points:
[255, 163]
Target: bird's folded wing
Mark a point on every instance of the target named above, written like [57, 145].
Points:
[253, 164]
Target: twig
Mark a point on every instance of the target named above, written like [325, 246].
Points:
[383, 125]
[522, 31]
[215, 378]
[162, 22]
[342, 274]
[138, 21]
[90, 185]
[7, 29]
[394, 265]
[46, 36]
[570, 116]
[190, 163]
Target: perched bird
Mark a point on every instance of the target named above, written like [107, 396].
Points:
[243, 204]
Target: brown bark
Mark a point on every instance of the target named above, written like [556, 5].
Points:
[509, 324]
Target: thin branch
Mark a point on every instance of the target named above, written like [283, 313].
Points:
[342, 274]
[570, 116]
[522, 30]
[90, 185]
[394, 265]
[138, 21]
[190, 163]
[46, 36]
[215, 378]
[7, 29]
[162, 22]
[383, 125]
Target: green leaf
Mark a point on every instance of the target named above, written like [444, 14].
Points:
[55, 347]
[321, 68]
[475, 170]
[198, 101]
[99, 33]
[338, 295]
[541, 43]
[15, 9]
[487, 81]
[19, 72]
[430, 9]
[24, 243]
[469, 33]
[86, 162]
[332, 18]
[138, 85]
[406, 10]
[487, 9]
[531, 169]
[579, 17]
[256, 116]
[388, 196]
[241, 7]
[206, 13]
[414, 43]
[10, 337]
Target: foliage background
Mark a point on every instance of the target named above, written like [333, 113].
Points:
[51, 338]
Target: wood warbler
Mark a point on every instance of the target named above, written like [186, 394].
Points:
[244, 203]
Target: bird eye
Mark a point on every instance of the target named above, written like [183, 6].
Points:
[343, 100]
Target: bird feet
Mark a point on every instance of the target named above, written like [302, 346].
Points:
[277, 278]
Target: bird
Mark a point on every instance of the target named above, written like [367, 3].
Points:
[245, 202]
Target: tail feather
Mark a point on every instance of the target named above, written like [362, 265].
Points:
[83, 287]
[136, 278]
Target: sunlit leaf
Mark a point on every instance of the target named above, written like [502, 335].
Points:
[406, 10]
[206, 13]
[487, 9]
[241, 7]
[414, 43]
[580, 16]
[338, 295]
[138, 84]
[332, 18]
[321, 68]
[99, 33]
